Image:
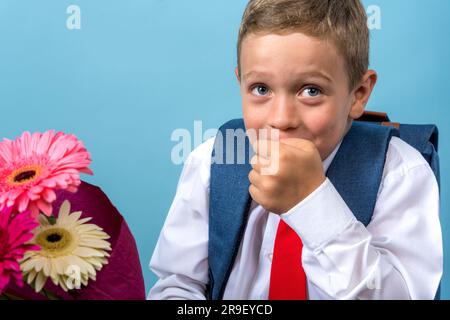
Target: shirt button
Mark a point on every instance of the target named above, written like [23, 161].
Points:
[270, 256]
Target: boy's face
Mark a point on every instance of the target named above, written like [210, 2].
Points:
[299, 85]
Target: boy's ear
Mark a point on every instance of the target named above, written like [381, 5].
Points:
[362, 93]
[236, 72]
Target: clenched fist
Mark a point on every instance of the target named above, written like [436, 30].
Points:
[284, 173]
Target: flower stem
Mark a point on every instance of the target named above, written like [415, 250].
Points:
[3, 296]
[7, 296]
[49, 295]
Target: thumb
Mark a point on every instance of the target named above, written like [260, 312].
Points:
[302, 144]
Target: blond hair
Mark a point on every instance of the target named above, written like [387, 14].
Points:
[342, 21]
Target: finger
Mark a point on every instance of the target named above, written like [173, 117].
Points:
[265, 148]
[255, 193]
[255, 178]
[259, 162]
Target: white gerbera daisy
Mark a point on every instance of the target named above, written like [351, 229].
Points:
[72, 251]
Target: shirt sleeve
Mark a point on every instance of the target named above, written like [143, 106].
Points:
[180, 258]
[398, 256]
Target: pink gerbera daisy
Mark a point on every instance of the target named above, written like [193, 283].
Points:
[15, 231]
[34, 165]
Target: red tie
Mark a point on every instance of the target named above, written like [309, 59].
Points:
[287, 277]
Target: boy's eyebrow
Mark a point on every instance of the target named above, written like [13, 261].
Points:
[310, 74]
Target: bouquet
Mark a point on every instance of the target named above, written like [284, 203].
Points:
[60, 237]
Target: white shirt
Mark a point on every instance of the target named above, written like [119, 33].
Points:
[398, 256]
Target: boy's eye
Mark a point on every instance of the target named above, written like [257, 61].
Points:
[311, 92]
[260, 90]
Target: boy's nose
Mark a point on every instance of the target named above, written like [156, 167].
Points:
[282, 114]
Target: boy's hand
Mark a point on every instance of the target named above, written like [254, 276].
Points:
[299, 172]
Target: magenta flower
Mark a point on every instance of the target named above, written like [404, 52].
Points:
[34, 165]
[15, 232]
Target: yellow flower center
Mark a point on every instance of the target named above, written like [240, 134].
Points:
[55, 241]
[24, 175]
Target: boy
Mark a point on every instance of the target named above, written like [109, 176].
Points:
[303, 73]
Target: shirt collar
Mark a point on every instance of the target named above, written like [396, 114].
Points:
[326, 163]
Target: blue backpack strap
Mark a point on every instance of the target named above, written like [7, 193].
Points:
[228, 208]
[361, 154]
[425, 139]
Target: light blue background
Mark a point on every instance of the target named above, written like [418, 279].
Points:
[139, 69]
